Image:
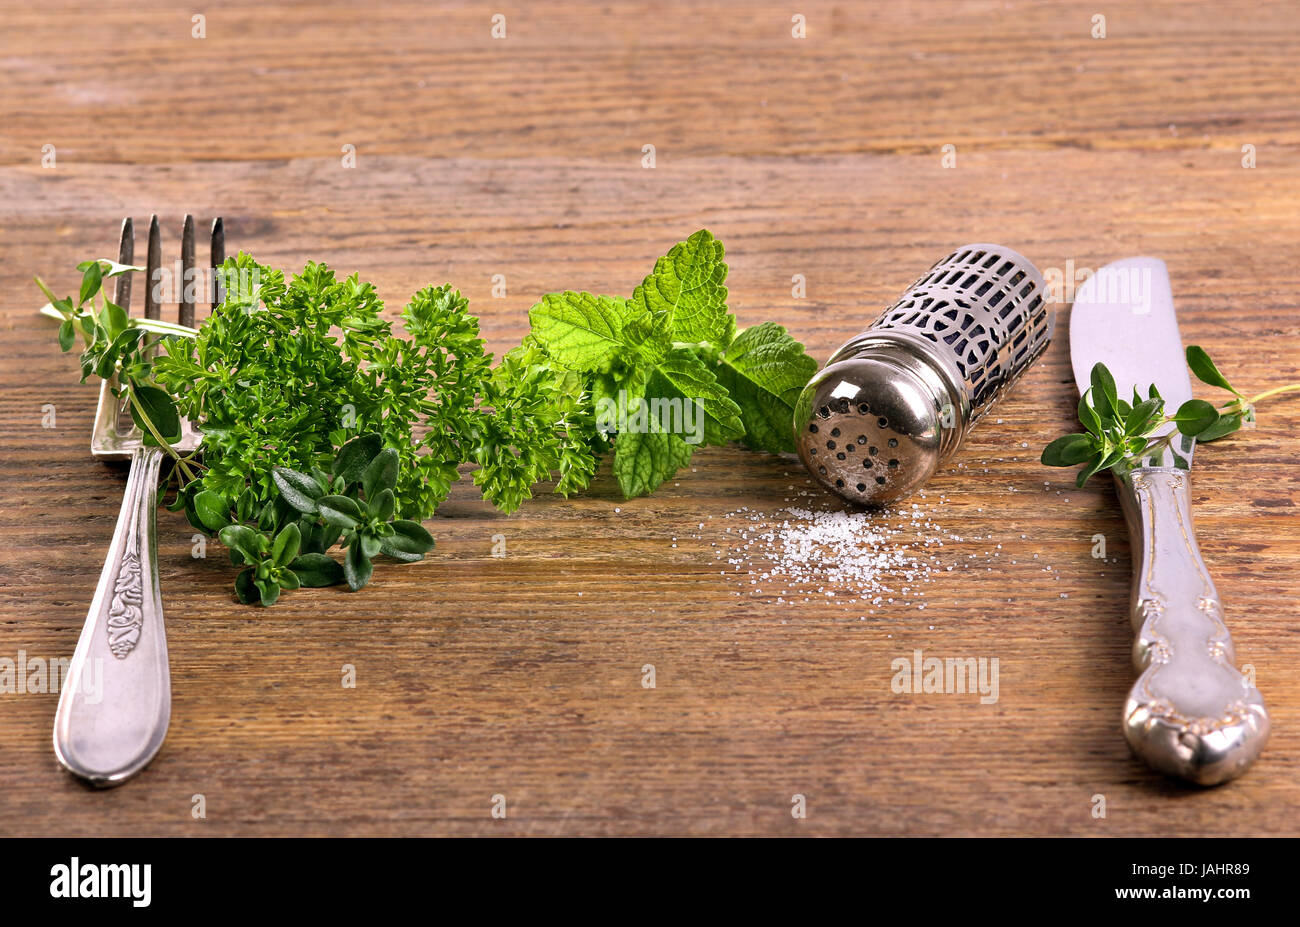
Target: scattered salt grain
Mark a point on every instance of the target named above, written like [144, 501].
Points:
[845, 557]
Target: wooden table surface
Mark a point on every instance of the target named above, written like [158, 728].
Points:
[822, 156]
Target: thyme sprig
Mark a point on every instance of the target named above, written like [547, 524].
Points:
[1120, 434]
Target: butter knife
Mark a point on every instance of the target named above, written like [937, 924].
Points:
[1191, 713]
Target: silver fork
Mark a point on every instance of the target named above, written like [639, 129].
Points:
[115, 702]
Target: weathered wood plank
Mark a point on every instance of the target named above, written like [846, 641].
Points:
[479, 675]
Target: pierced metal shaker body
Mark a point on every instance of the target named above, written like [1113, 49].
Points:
[894, 403]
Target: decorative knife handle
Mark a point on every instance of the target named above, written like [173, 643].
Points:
[115, 702]
[1191, 713]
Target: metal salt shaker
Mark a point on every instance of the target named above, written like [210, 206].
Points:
[894, 403]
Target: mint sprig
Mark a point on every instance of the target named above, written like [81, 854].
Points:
[764, 370]
[675, 339]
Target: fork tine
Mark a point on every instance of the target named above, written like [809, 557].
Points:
[122, 296]
[218, 258]
[151, 308]
[185, 311]
[125, 253]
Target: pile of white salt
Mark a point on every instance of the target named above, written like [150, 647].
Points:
[868, 558]
[864, 561]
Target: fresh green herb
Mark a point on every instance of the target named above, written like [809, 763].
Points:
[1121, 434]
[673, 345]
[119, 349]
[283, 546]
[323, 427]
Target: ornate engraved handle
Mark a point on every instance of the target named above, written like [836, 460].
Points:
[1190, 713]
[116, 698]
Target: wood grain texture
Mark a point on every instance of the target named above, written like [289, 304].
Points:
[522, 157]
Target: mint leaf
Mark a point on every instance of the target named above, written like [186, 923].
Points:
[684, 375]
[764, 370]
[642, 461]
[686, 293]
[578, 330]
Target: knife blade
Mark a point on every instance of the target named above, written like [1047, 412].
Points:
[1191, 713]
[1123, 316]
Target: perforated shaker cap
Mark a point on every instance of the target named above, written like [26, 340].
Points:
[873, 425]
[896, 401]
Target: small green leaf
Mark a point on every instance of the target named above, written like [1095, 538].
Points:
[1194, 416]
[1136, 422]
[67, 335]
[1226, 425]
[1069, 450]
[642, 461]
[116, 320]
[357, 566]
[106, 364]
[1094, 464]
[241, 539]
[380, 473]
[580, 331]
[681, 375]
[244, 505]
[268, 520]
[688, 289]
[269, 590]
[286, 545]
[339, 511]
[1104, 395]
[1088, 417]
[353, 457]
[298, 489]
[244, 587]
[1111, 459]
[370, 545]
[211, 510]
[408, 542]
[161, 410]
[764, 371]
[91, 279]
[383, 505]
[1205, 369]
[317, 570]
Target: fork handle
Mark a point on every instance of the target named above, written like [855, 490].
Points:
[115, 702]
[1191, 713]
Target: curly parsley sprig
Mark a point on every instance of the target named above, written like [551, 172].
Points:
[1120, 434]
